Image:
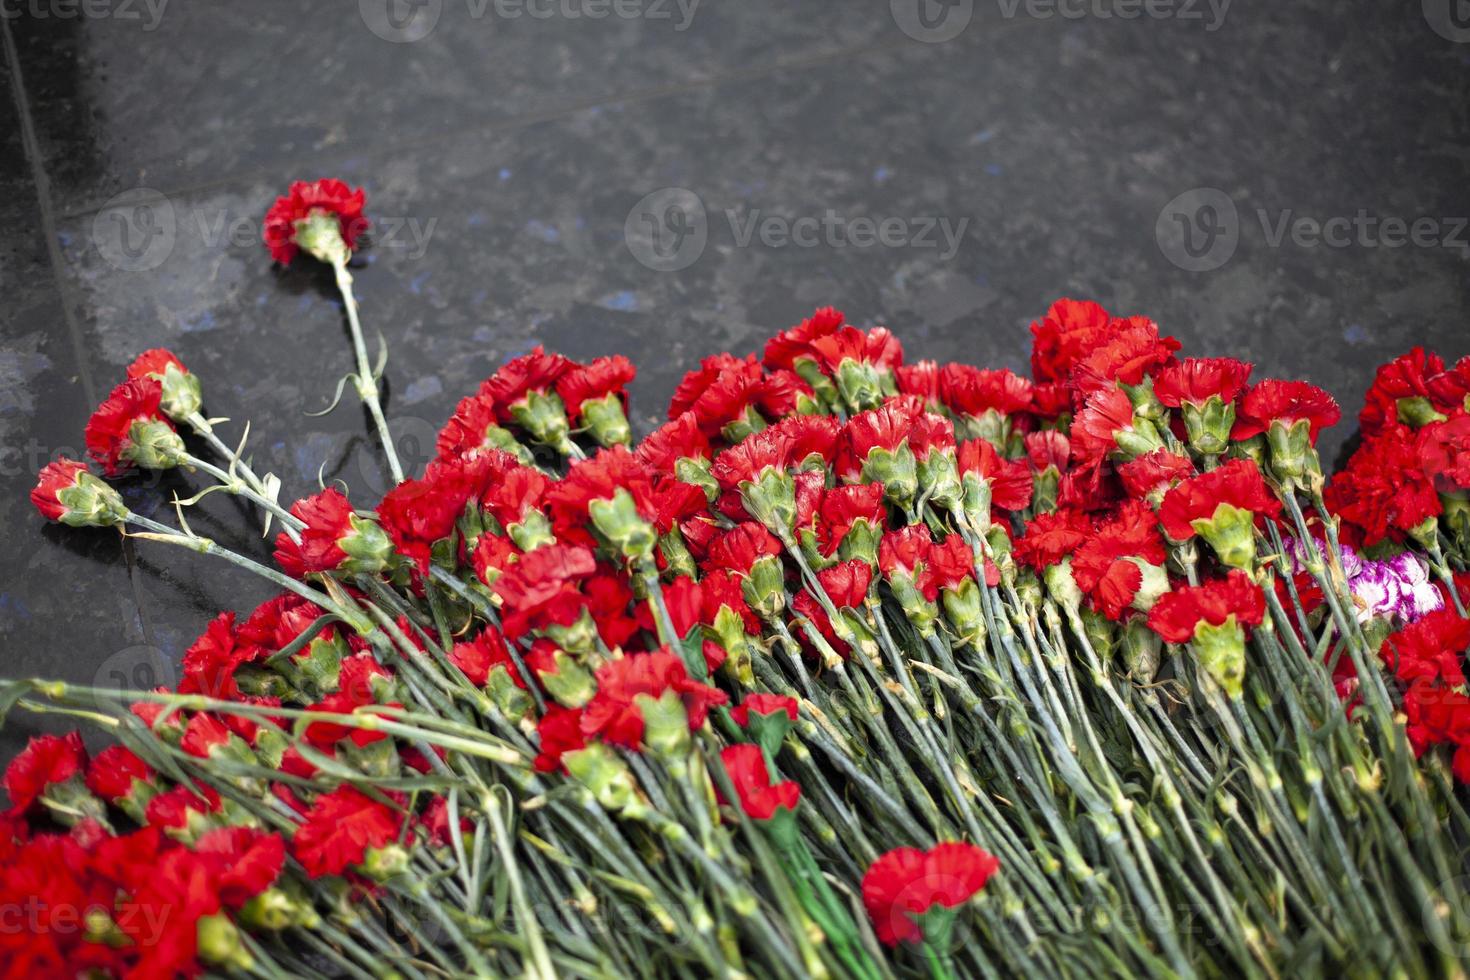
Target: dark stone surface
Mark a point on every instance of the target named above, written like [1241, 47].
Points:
[509, 153]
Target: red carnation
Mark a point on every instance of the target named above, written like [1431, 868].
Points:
[922, 378]
[1224, 506]
[759, 797]
[210, 662]
[1048, 449]
[307, 200]
[46, 759]
[1009, 479]
[560, 731]
[1195, 380]
[846, 583]
[1177, 613]
[327, 516]
[614, 714]
[604, 376]
[112, 772]
[1431, 648]
[975, 391]
[478, 657]
[1107, 414]
[877, 348]
[1110, 566]
[1049, 538]
[1412, 389]
[1069, 329]
[718, 392]
[534, 371]
[1383, 489]
[1153, 474]
[67, 492]
[742, 546]
[1443, 451]
[130, 427]
[763, 705]
[789, 346]
[1133, 348]
[246, 861]
[905, 883]
[1287, 402]
[678, 439]
[340, 828]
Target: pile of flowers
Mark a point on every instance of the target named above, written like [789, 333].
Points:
[856, 667]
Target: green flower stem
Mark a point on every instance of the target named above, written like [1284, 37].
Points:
[367, 384]
[204, 546]
[240, 487]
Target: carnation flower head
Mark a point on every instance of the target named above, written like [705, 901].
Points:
[1224, 506]
[340, 828]
[759, 797]
[790, 346]
[905, 884]
[324, 217]
[628, 685]
[129, 429]
[1069, 329]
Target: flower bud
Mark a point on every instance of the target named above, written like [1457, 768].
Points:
[1294, 460]
[1231, 531]
[771, 499]
[962, 611]
[665, 724]
[386, 862]
[568, 682]
[154, 445]
[764, 587]
[896, 470]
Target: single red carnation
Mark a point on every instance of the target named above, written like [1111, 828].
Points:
[246, 861]
[478, 657]
[975, 391]
[763, 705]
[1433, 648]
[1383, 489]
[1132, 350]
[304, 200]
[614, 715]
[210, 662]
[1107, 566]
[759, 797]
[922, 378]
[1195, 380]
[46, 759]
[56, 476]
[877, 347]
[327, 519]
[842, 507]
[846, 583]
[109, 433]
[906, 882]
[1154, 473]
[678, 439]
[536, 371]
[339, 830]
[739, 548]
[718, 392]
[789, 346]
[560, 732]
[1285, 401]
[112, 772]
[1049, 538]
[1443, 451]
[1048, 449]
[1009, 479]
[1178, 612]
[1067, 331]
[1238, 483]
[604, 376]
[1107, 412]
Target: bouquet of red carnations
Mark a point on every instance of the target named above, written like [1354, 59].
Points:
[854, 668]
